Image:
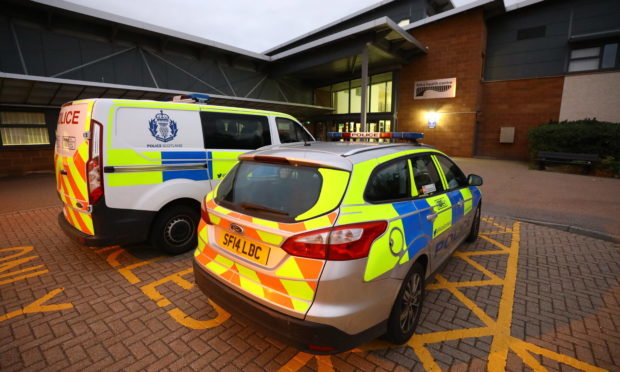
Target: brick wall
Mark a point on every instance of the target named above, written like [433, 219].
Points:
[17, 161]
[456, 49]
[523, 104]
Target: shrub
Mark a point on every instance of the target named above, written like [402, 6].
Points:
[587, 136]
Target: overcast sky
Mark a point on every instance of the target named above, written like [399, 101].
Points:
[255, 25]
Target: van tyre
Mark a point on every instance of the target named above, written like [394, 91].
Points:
[174, 229]
[475, 227]
[407, 308]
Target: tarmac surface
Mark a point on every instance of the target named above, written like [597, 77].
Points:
[522, 297]
[578, 203]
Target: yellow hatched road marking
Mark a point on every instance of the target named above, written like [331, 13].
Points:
[499, 330]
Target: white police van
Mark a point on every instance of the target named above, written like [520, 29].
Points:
[129, 171]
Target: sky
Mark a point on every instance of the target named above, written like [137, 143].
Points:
[254, 25]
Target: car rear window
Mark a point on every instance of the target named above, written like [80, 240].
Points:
[277, 192]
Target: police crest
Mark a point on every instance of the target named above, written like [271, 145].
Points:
[163, 128]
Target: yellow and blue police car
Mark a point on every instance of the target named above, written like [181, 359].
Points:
[328, 244]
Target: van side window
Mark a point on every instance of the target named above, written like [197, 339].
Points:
[235, 131]
[389, 182]
[289, 131]
[454, 176]
[425, 177]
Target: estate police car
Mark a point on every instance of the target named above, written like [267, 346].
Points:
[328, 245]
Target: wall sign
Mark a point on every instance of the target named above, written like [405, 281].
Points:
[439, 88]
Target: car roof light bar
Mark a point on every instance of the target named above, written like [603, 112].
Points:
[411, 136]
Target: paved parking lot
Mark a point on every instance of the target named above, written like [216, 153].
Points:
[522, 297]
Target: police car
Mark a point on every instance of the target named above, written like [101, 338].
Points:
[128, 171]
[327, 245]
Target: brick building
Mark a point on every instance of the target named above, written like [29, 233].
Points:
[474, 79]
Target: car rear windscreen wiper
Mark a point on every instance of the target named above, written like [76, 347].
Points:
[257, 207]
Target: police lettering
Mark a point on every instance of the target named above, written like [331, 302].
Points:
[69, 117]
[242, 246]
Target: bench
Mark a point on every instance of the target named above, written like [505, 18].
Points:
[584, 160]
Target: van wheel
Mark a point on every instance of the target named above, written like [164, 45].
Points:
[407, 308]
[174, 229]
[475, 227]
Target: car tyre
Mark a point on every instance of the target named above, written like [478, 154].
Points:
[475, 227]
[174, 229]
[407, 308]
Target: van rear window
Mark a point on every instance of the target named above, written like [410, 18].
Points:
[235, 131]
[277, 192]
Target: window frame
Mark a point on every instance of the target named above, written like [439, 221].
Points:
[408, 159]
[601, 44]
[298, 128]
[439, 156]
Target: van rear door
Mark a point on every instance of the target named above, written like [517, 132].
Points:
[70, 157]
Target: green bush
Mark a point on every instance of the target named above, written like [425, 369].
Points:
[587, 136]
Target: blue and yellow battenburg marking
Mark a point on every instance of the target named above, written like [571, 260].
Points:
[408, 232]
[187, 157]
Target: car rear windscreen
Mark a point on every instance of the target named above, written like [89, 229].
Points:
[277, 192]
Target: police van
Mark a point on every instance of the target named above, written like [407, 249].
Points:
[129, 171]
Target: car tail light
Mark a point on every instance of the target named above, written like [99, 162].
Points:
[204, 215]
[94, 169]
[347, 242]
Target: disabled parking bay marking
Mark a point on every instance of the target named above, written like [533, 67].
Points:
[150, 289]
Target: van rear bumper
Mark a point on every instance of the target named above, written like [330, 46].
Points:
[112, 226]
[325, 339]
[80, 237]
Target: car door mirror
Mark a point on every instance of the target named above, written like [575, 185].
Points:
[474, 180]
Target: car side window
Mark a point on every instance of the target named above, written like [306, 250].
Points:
[290, 131]
[425, 176]
[454, 176]
[235, 131]
[388, 182]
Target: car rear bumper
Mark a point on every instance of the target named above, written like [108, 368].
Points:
[308, 336]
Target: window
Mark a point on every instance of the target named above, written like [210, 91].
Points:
[290, 131]
[425, 176]
[270, 190]
[23, 128]
[454, 176]
[594, 58]
[389, 182]
[235, 131]
[347, 96]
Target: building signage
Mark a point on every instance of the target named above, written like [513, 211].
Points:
[439, 88]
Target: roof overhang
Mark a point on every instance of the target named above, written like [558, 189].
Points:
[18, 90]
[337, 55]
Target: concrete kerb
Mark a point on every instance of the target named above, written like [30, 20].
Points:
[572, 229]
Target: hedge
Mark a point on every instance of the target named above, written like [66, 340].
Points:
[587, 136]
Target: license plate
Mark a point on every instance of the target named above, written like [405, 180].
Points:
[246, 248]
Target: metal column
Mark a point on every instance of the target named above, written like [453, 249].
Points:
[364, 109]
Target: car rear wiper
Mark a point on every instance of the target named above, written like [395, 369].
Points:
[257, 207]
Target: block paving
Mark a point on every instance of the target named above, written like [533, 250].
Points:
[523, 297]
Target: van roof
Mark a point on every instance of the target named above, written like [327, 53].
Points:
[171, 104]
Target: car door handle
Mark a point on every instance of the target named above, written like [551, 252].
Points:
[63, 172]
[460, 203]
[431, 217]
